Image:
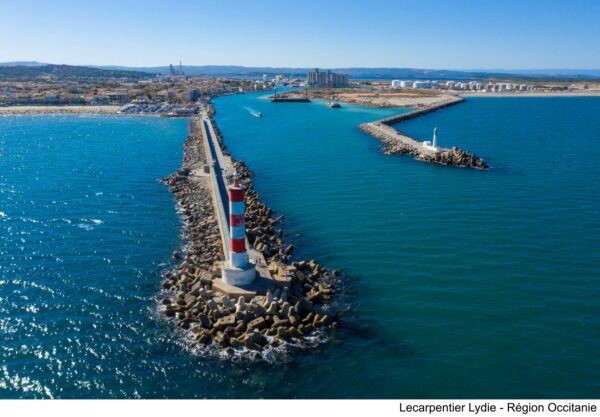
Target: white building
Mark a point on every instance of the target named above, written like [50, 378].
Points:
[396, 84]
[422, 84]
[406, 84]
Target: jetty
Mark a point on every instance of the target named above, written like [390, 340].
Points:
[222, 170]
[294, 99]
[396, 142]
[237, 290]
[290, 97]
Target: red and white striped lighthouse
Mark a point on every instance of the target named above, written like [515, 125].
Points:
[237, 270]
[237, 225]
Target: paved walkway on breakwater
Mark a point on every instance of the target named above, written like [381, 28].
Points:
[215, 163]
[382, 130]
[221, 167]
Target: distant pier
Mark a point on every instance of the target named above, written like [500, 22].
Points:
[398, 143]
[290, 97]
[284, 99]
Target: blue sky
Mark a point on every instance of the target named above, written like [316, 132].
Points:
[460, 34]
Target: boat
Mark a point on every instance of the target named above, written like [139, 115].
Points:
[332, 104]
[257, 114]
[289, 99]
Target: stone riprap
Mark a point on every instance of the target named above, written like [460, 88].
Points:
[289, 314]
[395, 142]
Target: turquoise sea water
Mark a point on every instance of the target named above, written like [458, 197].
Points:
[462, 283]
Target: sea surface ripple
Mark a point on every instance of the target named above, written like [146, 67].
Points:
[462, 283]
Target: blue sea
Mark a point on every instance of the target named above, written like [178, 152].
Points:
[462, 283]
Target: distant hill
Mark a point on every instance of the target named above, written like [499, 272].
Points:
[22, 64]
[369, 73]
[382, 73]
[31, 71]
[557, 72]
[253, 72]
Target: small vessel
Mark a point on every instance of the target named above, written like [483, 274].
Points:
[332, 104]
[257, 114]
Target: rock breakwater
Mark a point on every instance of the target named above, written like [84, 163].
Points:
[391, 145]
[300, 302]
[395, 142]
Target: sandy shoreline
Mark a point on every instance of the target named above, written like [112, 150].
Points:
[405, 101]
[30, 110]
[381, 100]
[392, 100]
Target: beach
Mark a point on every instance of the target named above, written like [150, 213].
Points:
[28, 110]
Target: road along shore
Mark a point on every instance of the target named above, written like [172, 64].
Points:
[294, 313]
[397, 143]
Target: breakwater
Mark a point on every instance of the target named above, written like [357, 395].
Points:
[397, 143]
[289, 314]
[287, 99]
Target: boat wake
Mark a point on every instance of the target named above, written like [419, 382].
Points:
[253, 112]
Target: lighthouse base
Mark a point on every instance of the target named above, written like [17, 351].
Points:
[238, 276]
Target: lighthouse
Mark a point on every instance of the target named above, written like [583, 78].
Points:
[432, 146]
[237, 270]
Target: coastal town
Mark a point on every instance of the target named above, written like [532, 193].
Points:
[335, 208]
[175, 93]
[172, 94]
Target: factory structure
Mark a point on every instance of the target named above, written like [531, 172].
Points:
[327, 78]
[415, 84]
[462, 86]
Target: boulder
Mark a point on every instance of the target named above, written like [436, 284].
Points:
[281, 333]
[228, 302]
[257, 324]
[278, 322]
[225, 322]
[203, 320]
[272, 308]
[240, 306]
[212, 305]
[268, 298]
[240, 327]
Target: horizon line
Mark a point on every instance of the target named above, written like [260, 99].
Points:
[309, 67]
